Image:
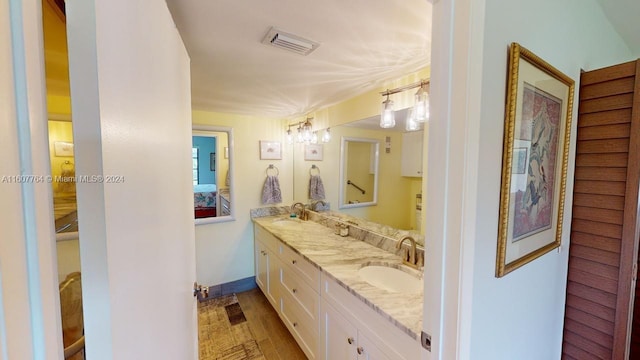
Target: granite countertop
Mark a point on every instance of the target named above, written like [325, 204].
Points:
[341, 258]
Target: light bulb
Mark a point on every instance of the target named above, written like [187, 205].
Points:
[326, 137]
[300, 137]
[306, 133]
[314, 137]
[387, 116]
[411, 124]
[289, 136]
[420, 107]
[427, 109]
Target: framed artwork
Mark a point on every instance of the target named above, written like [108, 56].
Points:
[313, 152]
[63, 148]
[270, 150]
[534, 160]
[212, 161]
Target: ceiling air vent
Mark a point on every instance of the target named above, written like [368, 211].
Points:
[289, 42]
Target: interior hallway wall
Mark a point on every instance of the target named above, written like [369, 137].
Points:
[520, 316]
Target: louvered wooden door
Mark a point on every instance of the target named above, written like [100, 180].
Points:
[604, 229]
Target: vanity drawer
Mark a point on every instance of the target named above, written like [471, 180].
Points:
[302, 327]
[306, 297]
[266, 238]
[307, 271]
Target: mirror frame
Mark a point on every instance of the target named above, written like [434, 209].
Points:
[231, 216]
[343, 144]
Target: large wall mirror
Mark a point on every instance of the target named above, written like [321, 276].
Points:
[398, 203]
[212, 162]
[358, 172]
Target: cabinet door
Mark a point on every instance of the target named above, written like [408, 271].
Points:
[262, 265]
[273, 279]
[412, 154]
[367, 350]
[338, 336]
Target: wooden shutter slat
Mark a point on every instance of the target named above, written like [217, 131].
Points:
[599, 201]
[593, 280]
[614, 102]
[616, 188]
[604, 257]
[601, 297]
[602, 146]
[600, 173]
[619, 131]
[596, 242]
[609, 73]
[599, 215]
[577, 353]
[595, 268]
[590, 320]
[612, 87]
[600, 338]
[608, 160]
[587, 345]
[611, 117]
[597, 228]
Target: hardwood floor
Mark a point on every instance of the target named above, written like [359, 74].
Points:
[272, 336]
[224, 333]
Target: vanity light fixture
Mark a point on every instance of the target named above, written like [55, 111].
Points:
[417, 114]
[305, 133]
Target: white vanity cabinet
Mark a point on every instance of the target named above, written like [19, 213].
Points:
[412, 148]
[348, 325]
[267, 266]
[341, 339]
[327, 321]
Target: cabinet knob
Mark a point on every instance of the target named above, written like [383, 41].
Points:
[294, 290]
[350, 340]
[360, 350]
[294, 261]
[264, 252]
[295, 324]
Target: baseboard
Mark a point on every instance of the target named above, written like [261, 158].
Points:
[237, 286]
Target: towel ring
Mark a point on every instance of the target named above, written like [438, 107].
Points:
[314, 167]
[272, 167]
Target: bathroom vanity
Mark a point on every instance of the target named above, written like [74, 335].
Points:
[340, 297]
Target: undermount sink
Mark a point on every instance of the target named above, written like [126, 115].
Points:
[391, 279]
[287, 222]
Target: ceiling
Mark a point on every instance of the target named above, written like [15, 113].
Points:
[363, 43]
[624, 16]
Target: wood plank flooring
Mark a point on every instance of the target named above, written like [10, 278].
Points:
[221, 340]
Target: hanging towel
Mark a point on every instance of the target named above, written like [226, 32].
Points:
[271, 193]
[316, 188]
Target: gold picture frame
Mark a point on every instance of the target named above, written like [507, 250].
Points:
[538, 119]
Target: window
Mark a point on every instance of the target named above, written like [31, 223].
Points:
[194, 155]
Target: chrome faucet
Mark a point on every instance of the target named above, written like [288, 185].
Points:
[314, 204]
[412, 260]
[303, 210]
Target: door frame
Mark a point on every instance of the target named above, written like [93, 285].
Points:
[31, 289]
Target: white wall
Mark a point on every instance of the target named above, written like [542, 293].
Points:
[520, 316]
[130, 87]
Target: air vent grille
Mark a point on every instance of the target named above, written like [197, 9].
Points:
[289, 42]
